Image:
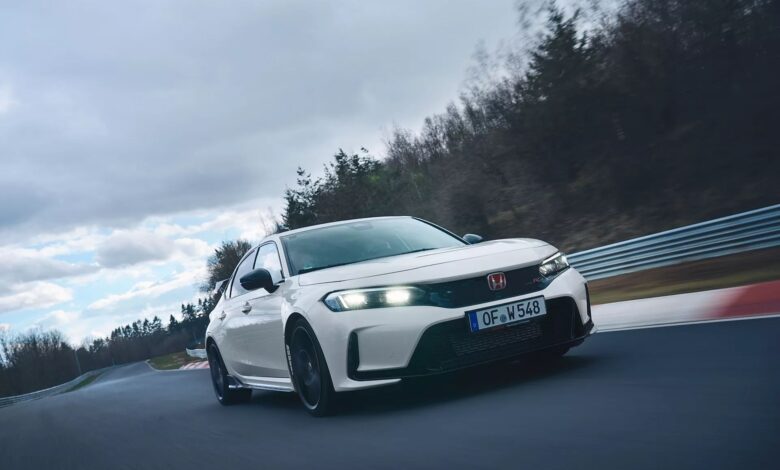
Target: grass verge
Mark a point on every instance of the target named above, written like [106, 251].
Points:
[172, 361]
[715, 273]
[84, 383]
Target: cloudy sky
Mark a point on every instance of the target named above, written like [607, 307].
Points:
[136, 135]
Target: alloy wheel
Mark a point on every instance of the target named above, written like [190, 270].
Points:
[306, 368]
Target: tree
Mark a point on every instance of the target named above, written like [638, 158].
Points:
[205, 306]
[223, 262]
[173, 324]
[353, 186]
[188, 312]
[156, 326]
[34, 360]
[300, 209]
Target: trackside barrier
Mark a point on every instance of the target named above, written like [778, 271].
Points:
[747, 231]
[199, 353]
[56, 390]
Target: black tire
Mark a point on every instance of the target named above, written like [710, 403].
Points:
[219, 379]
[309, 371]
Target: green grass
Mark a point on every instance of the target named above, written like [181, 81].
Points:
[172, 361]
[84, 382]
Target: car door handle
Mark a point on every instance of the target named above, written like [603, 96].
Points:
[246, 308]
[222, 315]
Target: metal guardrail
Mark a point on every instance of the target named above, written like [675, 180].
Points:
[56, 390]
[747, 231]
[199, 353]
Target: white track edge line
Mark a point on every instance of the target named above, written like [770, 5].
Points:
[683, 323]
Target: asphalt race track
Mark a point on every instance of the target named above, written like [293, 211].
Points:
[696, 396]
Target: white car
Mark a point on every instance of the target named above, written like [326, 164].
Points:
[363, 303]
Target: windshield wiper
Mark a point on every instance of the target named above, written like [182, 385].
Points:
[417, 251]
[317, 268]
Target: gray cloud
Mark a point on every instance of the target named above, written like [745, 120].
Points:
[128, 248]
[38, 294]
[18, 203]
[27, 266]
[115, 111]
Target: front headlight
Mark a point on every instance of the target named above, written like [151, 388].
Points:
[359, 299]
[553, 265]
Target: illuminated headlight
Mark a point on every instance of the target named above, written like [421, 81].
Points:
[553, 265]
[374, 298]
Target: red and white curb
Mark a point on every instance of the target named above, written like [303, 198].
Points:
[195, 365]
[720, 304]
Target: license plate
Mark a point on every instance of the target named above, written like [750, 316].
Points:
[506, 314]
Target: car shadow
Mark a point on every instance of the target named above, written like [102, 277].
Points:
[437, 389]
[454, 386]
[276, 400]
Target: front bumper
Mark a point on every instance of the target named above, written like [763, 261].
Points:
[375, 347]
[450, 345]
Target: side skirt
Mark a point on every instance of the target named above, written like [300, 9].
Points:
[273, 384]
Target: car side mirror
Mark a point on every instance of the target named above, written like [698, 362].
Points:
[259, 278]
[471, 238]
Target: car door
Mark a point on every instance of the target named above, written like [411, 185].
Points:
[234, 320]
[253, 322]
[265, 318]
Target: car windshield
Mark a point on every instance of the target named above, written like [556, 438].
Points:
[361, 241]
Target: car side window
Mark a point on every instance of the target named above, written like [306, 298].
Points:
[268, 258]
[243, 268]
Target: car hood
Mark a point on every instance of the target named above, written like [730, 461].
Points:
[442, 264]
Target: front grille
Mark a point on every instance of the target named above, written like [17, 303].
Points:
[468, 344]
[451, 345]
[475, 290]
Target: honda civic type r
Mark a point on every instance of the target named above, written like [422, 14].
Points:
[364, 303]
